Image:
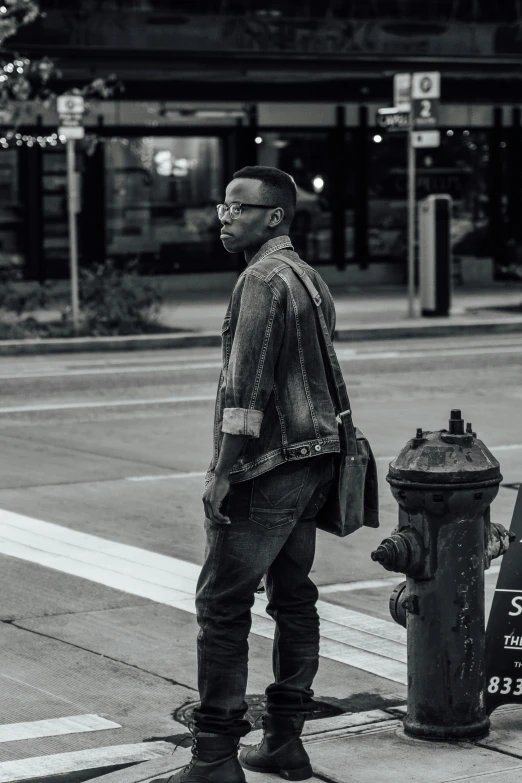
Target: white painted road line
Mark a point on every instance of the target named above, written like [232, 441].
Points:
[353, 638]
[373, 584]
[64, 406]
[153, 366]
[122, 370]
[167, 476]
[423, 354]
[200, 474]
[54, 727]
[40, 767]
[366, 584]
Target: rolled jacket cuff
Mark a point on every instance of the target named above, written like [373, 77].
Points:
[242, 421]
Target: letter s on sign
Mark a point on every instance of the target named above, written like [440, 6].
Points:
[516, 603]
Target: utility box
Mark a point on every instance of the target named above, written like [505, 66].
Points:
[435, 255]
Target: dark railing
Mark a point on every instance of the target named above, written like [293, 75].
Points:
[347, 28]
[503, 11]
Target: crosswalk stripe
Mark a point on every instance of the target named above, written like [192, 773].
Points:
[347, 636]
[54, 727]
[40, 767]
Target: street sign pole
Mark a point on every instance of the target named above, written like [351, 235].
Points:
[425, 95]
[416, 98]
[411, 223]
[73, 231]
[70, 109]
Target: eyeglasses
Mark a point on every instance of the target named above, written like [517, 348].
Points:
[236, 208]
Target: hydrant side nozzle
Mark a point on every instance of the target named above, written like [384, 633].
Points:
[402, 552]
[397, 604]
[498, 542]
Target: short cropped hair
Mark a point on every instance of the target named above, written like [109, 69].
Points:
[278, 187]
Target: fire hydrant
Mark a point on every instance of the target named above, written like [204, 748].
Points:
[444, 483]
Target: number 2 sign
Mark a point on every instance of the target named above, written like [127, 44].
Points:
[425, 92]
[426, 113]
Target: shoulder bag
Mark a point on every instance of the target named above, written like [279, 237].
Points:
[353, 498]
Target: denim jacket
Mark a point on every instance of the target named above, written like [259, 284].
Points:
[273, 385]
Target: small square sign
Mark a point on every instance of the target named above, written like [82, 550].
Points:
[402, 91]
[426, 139]
[426, 85]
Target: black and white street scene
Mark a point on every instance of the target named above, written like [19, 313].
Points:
[260, 391]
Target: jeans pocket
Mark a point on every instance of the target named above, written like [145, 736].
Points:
[275, 496]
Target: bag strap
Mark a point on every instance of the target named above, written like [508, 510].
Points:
[341, 400]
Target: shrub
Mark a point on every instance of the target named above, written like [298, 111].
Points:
[112, 302]
[117, 301]
[17, 297]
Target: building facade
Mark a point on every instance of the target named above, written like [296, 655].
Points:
[213, 86]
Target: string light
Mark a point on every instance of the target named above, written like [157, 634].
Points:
[90, 141]
[23, 80]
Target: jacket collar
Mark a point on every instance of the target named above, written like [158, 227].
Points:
[272, 246]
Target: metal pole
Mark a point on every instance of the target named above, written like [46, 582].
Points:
[411, 225]
[72, 198]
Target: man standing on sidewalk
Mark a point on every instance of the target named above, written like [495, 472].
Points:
[275, 434]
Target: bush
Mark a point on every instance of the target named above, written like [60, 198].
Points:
[117, 301]
[112, 302]
[17, 297]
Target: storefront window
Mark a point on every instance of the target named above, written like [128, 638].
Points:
[350, 196]
[55, 217]
[458, 167]
[304, 155]
[161, 197]
[11, 219]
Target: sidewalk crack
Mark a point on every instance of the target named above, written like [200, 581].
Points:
[10, 620]
[499, 750]
[169, 680]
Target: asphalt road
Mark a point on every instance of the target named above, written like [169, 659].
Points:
[101, 537]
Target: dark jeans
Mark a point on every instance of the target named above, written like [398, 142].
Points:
[272, 534]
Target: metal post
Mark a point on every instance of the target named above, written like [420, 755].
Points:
[72, 198]
[411, 225]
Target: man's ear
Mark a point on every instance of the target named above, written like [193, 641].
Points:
[276, 217]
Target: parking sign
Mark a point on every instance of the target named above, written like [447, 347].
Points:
[426, 85]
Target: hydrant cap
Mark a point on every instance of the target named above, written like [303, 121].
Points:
[443, 458]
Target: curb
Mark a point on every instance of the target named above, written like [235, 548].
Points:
[142, 342]
[416, 330]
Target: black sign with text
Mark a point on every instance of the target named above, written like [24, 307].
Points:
[426, 113]
[504, 631]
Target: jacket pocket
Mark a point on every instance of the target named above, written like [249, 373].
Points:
[275, 496]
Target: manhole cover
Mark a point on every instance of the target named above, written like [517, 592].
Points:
[256, 707]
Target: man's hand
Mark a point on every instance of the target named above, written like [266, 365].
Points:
[213, 497]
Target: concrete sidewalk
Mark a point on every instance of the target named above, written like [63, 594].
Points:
[358, 307]
[371, 747]
[196, 319]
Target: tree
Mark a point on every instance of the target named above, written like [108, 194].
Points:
[24, 82]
